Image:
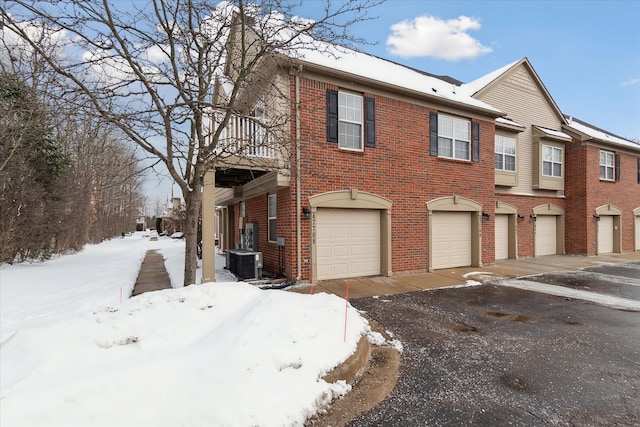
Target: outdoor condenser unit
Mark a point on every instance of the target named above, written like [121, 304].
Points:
[245, 264]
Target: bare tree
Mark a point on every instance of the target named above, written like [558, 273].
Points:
[56, 160]
[161, 74]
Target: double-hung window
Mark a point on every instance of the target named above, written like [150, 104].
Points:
[607, 165]
[349, 121]
[273, 227]
[454, 137]
[551, 161]
[505, 151]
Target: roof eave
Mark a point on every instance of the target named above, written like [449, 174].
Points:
[588, 139]
[391, 87]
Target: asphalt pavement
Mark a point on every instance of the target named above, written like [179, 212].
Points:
[497, 354]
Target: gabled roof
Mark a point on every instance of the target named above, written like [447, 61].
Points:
[484, 83]
[589, 132]
[303, 49]
[341, 60]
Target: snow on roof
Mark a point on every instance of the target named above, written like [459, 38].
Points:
[599, 134]
[374, 68]
[509, 122]
[552, 132]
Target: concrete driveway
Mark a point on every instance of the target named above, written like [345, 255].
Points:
[503, 353]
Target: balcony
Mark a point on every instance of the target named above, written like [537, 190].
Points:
[247, 153]
[246, 138]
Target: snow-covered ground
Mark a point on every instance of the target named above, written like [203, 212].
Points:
[221, 354]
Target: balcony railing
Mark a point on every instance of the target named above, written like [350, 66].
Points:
[245, 137]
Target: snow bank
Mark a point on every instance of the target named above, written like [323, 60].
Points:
[223, 354]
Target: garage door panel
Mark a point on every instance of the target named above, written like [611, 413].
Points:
[546, 235]
[348, 243]
[605, 234]
[451, 240]
[637, 232]
[502, 237]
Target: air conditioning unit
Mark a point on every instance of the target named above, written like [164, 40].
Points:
[245, 264]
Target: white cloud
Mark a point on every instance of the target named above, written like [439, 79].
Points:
[430, 36]
[631, 82]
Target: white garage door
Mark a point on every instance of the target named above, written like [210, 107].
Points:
[451, 239]
[638, 233]
[545, 235]
[502, 236]
[605, 234]
[348, 243]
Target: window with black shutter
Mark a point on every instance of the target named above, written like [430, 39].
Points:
[351, 120]
[332, 115]
[370, 121]
[433, 134]
[475, 142]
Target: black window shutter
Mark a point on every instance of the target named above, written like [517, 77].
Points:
[433, 134]
[475, 142]
[370, 121]
[332, 115]
[617, 167]
[638, 170]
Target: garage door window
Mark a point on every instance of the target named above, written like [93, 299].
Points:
[273, 230]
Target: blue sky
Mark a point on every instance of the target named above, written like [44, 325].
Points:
[587, 53]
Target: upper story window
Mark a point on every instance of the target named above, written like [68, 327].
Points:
[350, 120]
[505, 152]
[551, 161]
[454, 137]
[273, 223]
[607, 165]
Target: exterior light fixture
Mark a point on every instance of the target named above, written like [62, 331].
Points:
[597, 217]
[306, 213]
[520, 217]
[486, 216]
[533, 217]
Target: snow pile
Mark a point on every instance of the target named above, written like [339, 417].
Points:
[224, 354]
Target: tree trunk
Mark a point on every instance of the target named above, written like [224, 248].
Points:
[192, 200]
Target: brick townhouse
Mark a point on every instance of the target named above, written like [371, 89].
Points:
[575, 187]
[603, 191]
[392, 170]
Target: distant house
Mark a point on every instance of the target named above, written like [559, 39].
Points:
[173, 217]
[393, 171]
[141, 222]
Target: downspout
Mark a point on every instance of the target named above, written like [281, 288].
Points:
[298, 196]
